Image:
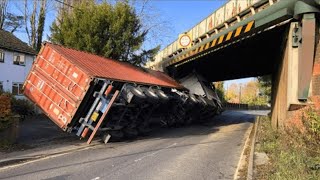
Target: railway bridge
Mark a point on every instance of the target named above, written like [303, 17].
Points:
[248, 38]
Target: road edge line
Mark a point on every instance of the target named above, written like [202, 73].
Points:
[242, 156]
[251, 157]
[23, 160]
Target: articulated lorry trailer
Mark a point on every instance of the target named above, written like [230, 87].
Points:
[91, 95]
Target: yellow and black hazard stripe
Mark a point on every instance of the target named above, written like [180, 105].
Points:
[215, 42]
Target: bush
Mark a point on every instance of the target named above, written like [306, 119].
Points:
[311, 120]
[5, 110]
[294, 154]
[22, 107]
[9, 106]
[5, 105]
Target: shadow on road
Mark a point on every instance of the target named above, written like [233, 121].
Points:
[40, 130]
[228, 118]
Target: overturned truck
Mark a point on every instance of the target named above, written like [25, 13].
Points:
[90, 95]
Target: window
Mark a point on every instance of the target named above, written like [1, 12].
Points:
[17, 88]
[18, 59]
[1, 86]
[1, 56]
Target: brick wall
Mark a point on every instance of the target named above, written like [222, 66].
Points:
[316, 78]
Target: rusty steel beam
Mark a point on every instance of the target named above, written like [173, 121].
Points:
[306, 55]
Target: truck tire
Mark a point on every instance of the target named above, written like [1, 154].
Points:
[137, 91]
[202, 101]
[150, 93]
[193, 99]
[161, 95]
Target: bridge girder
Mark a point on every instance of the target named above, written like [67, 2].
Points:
[260, 23]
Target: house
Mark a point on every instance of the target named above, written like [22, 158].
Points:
[16, 59]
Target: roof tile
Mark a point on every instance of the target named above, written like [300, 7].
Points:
[11, 42]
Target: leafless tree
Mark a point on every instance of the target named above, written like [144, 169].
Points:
[159, 29]
[3, 12]
[34, 20]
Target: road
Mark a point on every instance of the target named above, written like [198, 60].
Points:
[210, 151]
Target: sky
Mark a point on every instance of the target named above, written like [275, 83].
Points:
[172, 17]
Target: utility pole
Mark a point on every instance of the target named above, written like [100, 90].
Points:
[240, 94]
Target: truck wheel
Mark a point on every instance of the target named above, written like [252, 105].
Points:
[161, 95]
[137, 91]
[193, 99]
[202, 100]
[150, 93]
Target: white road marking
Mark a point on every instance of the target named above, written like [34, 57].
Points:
[96, 178]
[154, 153]
[48, 157]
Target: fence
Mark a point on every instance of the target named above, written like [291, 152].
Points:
[239, 106]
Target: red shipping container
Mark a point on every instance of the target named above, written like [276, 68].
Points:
[60, 78]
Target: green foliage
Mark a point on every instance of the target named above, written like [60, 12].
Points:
[292, 156]
[220, 90]
[311, 120]
[22, 107]
[12, 105]
[5, 123]
[112, 31]
[265, 85]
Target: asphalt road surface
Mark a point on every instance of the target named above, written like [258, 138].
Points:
[210, 151]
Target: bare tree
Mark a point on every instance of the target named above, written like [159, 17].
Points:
[32, 36]
[8, 20]
[41, 23]
[35, 21]
[159, 29]
[3, 12]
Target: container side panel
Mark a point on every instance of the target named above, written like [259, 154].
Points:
[62, 72]
[57, 86]
[50, 101]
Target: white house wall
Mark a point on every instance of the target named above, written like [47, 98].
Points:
[10, 72]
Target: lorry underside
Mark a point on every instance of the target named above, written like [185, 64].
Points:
[90, 95]
[138, 107]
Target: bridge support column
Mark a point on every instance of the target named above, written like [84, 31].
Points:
[296, 73]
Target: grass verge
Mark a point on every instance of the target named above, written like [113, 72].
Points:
[293, 154]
